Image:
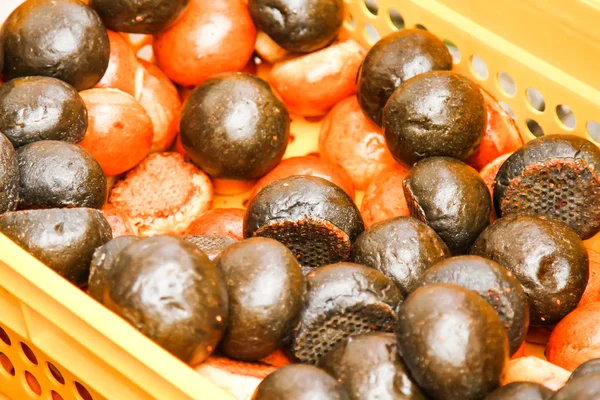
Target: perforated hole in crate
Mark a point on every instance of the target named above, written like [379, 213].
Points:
[534, 127]
[55, 396]
[55, 373]
[32, 383]
[454, 51]
[535, 100]
[4, 337]
[28, 353]
[507, 84]
[37, 376]
[508, 109]
[593, 129]
[372, 6]
[396, 18]
[371, 34]
[566, 117]
[479, 68]
[82, 392]
[6, 366]
[349, 24]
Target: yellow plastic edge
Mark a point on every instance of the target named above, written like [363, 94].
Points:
[562, 33]
[449, 20]
[130, 360]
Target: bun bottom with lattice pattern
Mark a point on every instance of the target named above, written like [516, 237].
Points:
[314, 242]
[556, 176]
[342, 300]
[315, 218]
[212, 246]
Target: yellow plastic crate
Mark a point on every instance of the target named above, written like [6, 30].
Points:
[540, 58]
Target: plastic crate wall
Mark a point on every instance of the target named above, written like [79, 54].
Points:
[540, 58]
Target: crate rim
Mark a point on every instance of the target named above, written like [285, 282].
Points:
[108, 324]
